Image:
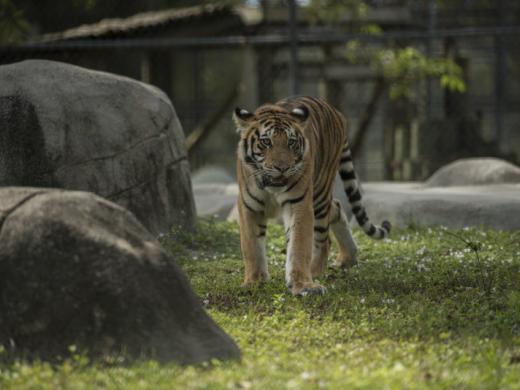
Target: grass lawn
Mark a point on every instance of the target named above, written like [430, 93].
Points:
[427, 308]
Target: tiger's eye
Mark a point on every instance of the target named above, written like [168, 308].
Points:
[291, 142]
[265, 141]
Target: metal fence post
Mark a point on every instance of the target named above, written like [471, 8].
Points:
[432, 25]
[500, 74]
[294, 85]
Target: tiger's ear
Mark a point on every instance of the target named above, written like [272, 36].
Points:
[301, 113]
[241, 117]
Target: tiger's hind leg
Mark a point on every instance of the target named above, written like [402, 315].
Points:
[347, 256]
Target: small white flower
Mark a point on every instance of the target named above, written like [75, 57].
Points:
[307, 375]
[421, 267]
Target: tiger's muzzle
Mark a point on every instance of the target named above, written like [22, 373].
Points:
[270, 181]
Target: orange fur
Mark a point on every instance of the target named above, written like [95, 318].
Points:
[288, 156]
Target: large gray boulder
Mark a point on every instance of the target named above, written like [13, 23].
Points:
[475, 171]
[74, 128]
[491, 206]
[76, 269]
[404, 203]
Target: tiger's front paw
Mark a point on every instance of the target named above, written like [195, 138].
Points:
[306, 289]
[255, 279]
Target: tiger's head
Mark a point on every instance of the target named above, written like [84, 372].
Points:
[272, 144]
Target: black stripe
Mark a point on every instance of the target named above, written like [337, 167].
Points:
[247, 158]
[261, 234]
[323, 197]
[322, 241]
[262, 226]
[295, 200]
[355, 197]
[293, 184]
[357, 209]
[246, 144]
[362, 218]
[345, 159]
[322, 213]
[249, 207]
[317, 194]
[350, 190]
[321, 208]
[321, 229]
[253, 197]
[347, 175]
[318, 203]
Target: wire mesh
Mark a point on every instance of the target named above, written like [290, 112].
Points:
[206, 75]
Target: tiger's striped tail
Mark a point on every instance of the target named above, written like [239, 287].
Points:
[351, 186]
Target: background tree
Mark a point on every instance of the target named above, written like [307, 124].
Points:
[13, 24]
[397, 67]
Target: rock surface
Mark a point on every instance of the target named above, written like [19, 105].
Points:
[212, 174]
[69, 127]
[215, 200]
[475, 171]
[76, 269]
[493, 206]
[496, 206]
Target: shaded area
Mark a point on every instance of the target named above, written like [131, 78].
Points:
[22, 145]
[78, 270]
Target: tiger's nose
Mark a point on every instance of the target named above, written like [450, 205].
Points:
[281, 168]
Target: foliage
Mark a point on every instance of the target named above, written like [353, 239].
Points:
[401, 67]
[13, 25]
[427, 308]
[330, 11]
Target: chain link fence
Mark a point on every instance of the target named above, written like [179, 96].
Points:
[222, 58]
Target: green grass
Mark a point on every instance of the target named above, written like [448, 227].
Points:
[428, 308]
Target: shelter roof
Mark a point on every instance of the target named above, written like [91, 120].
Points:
[140, 23]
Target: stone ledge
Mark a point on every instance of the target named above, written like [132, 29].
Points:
[495, 206]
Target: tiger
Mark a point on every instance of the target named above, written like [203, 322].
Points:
[288, 156]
